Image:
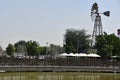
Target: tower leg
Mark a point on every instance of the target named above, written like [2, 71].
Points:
[97, 30]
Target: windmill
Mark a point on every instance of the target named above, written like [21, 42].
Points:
[97, 29]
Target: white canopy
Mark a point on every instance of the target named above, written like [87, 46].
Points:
[93, 55]
[71, 54]
[64, 54]
[76, 54]
[80, 55]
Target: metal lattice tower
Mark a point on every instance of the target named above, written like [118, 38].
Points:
[97, 30]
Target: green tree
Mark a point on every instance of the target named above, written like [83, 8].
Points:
[10, 50]
[70, 48]
[55, 49]
[107, 45]
[43, 50]
[20, 46]
[76, 41]
[32, 48]
[1, 50]
[21, 49]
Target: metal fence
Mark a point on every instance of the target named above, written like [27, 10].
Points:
[70, 61]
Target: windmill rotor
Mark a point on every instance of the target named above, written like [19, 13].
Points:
[95, 12]
[95, 8]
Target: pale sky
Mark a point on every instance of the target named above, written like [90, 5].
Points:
[46, 20]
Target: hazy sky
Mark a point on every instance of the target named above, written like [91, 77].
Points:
[46, 20]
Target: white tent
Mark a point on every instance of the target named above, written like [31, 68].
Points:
[93, 55]
[76, 54]
[71, 54]
[64, 54]
[79, 55]
[82, 55]
[115, 57]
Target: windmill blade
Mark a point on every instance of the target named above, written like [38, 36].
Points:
[107, 13]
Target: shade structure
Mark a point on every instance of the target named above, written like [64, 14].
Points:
[115, 57]
[93, 55]
[64, 54]
[76, 54]
[71, 54]
[79, 55]
[82, 55]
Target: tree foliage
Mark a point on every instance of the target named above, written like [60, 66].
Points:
[32, 48]
[1, 50]
[20, 46]
[54, 50]
[21, 49]
[10, 50]
[107, 45]
[76, 41]
[43, 50]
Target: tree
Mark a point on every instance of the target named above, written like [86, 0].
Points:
[76, 41]
[70, 48]
[107, 45]
[1, 50]
[20, 46]
[43, 50]
[21, 49]
[55, 49]
[10, 50]
[32, 48]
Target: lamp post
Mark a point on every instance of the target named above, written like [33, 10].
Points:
[78, 46]
[46, 52]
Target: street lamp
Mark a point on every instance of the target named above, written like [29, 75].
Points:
[46, 52]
